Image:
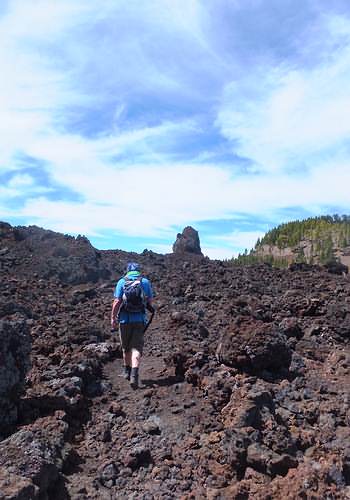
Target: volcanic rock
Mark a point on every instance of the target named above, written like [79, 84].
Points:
[15, 347]
[335, 267]
[71, 260]
[290, 328]
[32, 458]
[244, 382]
[187, 242]
[254, 347]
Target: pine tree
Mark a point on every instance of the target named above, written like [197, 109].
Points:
[323, 232]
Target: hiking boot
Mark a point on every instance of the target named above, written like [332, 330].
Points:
[134, 378]
[126, 372]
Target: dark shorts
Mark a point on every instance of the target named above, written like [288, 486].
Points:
[131, 336]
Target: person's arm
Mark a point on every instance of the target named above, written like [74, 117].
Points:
[115, 310]
[117, 302]
[149, 306]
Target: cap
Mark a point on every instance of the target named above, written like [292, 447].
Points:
[132, 266]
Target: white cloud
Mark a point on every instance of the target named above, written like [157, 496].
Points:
[282, 117]
[20, 181]
[229, 245]
[31, 89]
[159, 247]
[17, 186]
[82, 54]
[41, 19]
[7, 193]
[153, 199]
[219, 253]
[241, 239]
[145, 200]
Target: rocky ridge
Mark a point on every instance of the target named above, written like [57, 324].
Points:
[316, 240]
[305, 247]
[245, 378]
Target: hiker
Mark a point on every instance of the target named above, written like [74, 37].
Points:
[132, 296]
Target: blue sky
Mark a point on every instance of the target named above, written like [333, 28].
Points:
[128, 120]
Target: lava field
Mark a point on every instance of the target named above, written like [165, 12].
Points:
[244, 381]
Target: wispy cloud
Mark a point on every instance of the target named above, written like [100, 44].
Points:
[291, 116]
[230, 245]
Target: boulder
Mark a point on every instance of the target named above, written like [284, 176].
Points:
[290, 327]
[335, 267]
[264, 460]
[300, 266]
[15, 347]
[32, 458]
[255, 347]
[13, 487]
[6, 230]
[187, 242]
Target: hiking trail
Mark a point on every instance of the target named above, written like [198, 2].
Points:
[153, 433]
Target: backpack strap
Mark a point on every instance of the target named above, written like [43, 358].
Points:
[139, 277]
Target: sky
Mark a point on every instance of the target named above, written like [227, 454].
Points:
[128, 120]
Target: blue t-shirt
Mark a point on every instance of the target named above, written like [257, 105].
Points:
[130, 317]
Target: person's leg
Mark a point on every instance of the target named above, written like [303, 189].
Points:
[127, 356]
[125, 338]
[136, 352]
[135, 358]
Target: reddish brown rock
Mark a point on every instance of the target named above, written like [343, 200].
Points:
[266, 418]
[254, 346]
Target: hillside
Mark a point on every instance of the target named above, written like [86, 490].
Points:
[245, 377]
[317, 240]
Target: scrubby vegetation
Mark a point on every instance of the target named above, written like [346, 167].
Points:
[324, 234]
[252, 258]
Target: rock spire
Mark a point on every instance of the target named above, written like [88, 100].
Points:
[187, 242]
